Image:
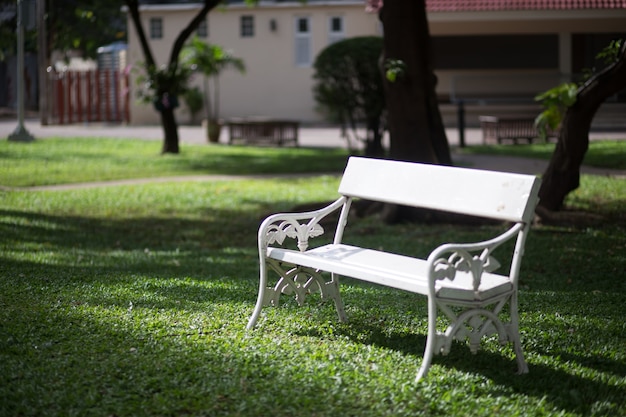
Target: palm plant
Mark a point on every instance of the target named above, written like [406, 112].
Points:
[210, 60]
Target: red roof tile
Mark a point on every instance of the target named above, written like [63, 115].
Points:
[502, 5]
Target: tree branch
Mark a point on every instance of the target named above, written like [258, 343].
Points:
[133, 9]
[563, 172]
[186, 32]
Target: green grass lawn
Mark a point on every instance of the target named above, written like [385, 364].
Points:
[72, 160]
[602, 153]
[132, 300]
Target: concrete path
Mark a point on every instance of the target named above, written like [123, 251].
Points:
[309, 137]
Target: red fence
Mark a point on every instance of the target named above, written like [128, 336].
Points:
[88, 96]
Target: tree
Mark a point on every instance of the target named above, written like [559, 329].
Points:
[167, 82]
[416, 129]
[563, 172]
[71, 25]
[84, 26]
[8, 31]
[349, 87]
[415, 125]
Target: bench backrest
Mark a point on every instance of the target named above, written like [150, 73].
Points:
[490, 194]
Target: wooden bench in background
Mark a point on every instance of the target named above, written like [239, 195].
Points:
[459, 279]
[262, 131]
[499, 129]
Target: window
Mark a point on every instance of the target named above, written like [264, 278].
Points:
[156, 28]
[247, 26]
[303, 42]
[496, 52]
[203, 29]
[335, 29]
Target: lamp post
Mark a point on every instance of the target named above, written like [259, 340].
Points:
[42, 60]
[20, 134]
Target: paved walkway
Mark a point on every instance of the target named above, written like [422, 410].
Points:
[309, 137]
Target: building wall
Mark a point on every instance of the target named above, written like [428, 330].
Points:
[273, 86]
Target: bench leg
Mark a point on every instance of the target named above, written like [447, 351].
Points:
[431, 340]
[472, 323]
[513, 331]
[260, 301]
[341, 312]
[300, 281]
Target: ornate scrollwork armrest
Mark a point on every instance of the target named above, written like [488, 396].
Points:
[475, 258]
[276, 233]
[300, 226]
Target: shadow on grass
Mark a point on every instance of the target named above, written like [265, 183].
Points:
[282, 161]
[565, 390]
[102, 234]
[569, 381]
[155, 262]
[126, 371]
[150, 287]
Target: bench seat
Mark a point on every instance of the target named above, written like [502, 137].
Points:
[393, 270]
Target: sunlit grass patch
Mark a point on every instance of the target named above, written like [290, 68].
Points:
[72, 160]
[601, 153]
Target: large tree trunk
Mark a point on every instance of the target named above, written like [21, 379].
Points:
[170, 131]
[563, 173]
[415, 125]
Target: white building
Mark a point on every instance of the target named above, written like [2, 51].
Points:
[485, 51]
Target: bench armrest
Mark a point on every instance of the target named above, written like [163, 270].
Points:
[300, 226]
[447, 259]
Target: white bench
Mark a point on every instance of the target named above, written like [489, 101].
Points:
[458, 279]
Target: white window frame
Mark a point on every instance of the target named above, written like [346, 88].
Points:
[156, 28]
[303, 50]
[336, 35]
[246, 26]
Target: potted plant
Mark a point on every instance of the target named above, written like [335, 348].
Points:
[210, 60]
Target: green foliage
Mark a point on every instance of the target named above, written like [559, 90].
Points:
[556, 100]
[8, 28]
[348, 84]
[8, 32]
[84, 26]
[164, 85]
[606, 56]
[210, 60]
[394, 68]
